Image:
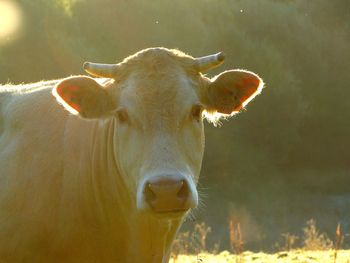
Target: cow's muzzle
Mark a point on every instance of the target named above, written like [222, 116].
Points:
[168, 195]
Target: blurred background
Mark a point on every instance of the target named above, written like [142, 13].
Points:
[282, 161]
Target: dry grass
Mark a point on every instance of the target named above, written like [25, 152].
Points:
[313, 240]
[190, 247]
[339, 238]
[192, 242]
[236, 238]
[296, 256]
[289, 241]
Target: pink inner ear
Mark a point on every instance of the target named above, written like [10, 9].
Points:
[248, 86]
[69, 95]
[231, 90]
[75, 106]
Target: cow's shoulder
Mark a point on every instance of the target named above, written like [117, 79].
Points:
[27, 106]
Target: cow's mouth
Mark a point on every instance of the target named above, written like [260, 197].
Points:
[173, 214]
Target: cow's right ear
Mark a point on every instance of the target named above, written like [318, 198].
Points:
[84, 96]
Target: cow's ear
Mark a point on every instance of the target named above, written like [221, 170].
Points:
[84, 96]
[231, 90]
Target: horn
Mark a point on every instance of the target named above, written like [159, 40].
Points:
[101, 70]
[209, 62]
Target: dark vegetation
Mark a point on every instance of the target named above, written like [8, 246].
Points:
[281, 162]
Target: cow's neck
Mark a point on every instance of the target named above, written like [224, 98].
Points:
[97, 200]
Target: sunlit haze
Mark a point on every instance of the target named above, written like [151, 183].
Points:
[10, 19]
[285, 159]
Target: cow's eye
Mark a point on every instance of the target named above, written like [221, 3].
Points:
[196, 112]
[122, 116]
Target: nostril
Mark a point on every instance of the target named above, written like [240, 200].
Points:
[184, 191]
[149, 194]
[166, 194]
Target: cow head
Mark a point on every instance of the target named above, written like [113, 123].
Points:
[158, 99]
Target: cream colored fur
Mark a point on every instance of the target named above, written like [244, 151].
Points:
[70, 188]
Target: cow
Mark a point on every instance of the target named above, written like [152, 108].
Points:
[104, 168]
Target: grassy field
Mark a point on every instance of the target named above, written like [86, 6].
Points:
[297, 256]
[311, 246]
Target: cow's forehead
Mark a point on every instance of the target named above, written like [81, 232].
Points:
[155, 96]
[159, 88]
[158, 58]
[160, 83]
[158, 65]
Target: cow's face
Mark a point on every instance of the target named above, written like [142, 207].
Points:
[158, 101]
[160, 138]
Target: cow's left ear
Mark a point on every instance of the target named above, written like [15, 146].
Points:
[84, 96]
[232, 90]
